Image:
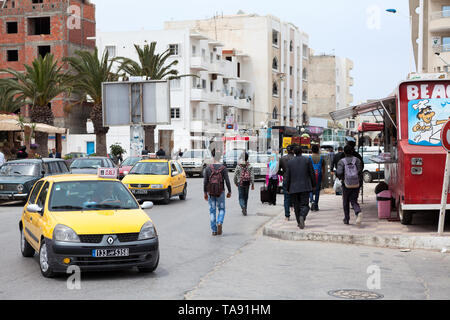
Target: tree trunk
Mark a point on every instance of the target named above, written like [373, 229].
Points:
[150, 138]
[42, 114]
[100, 131]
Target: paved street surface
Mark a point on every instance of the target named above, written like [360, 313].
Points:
[241, 264]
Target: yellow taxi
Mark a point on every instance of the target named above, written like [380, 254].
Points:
[89, 221]
[157, 179]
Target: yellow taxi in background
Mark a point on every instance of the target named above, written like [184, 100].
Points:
[157, 179]
[92, 222]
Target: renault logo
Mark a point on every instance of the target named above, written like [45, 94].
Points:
[110, 240]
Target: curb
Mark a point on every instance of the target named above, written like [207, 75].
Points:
[384, 241]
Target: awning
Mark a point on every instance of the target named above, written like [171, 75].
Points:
[364, 108]
[13, 125]
[365, 127]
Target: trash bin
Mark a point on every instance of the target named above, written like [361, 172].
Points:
[384, 204]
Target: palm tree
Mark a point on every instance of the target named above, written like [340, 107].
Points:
[89, 74]
[41, 82]
[9, 103]
[153, 66]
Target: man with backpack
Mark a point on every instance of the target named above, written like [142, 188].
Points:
[243, 179]
[216, 176]
[349, 171]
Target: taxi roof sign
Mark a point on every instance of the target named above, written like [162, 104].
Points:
[107, 173]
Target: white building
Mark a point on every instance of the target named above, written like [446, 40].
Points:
[278, 64]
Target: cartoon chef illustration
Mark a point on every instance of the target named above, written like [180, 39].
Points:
[427, 129]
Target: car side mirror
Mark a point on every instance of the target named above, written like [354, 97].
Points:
[174, 173]
[147, 205]
[34, 208]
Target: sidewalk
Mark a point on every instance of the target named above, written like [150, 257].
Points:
[326, 225]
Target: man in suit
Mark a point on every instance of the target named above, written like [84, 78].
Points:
[300, 182]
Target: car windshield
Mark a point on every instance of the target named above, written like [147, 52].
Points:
[90, 195]
[19, 169]
[193, 154]
[151, 168]
[130, 161]
[86, 164]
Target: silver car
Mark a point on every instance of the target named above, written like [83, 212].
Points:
[195, 161]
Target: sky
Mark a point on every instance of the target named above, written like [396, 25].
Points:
[378, 42]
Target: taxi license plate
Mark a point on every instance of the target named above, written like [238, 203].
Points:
[100, 253]
[139, 191]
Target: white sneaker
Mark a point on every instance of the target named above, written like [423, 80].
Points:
[359, 219]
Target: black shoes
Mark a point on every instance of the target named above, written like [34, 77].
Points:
[346, 221]
[244, 211]
[301, 225]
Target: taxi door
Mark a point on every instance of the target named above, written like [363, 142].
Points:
[37, 218]
[177, 184]
[28, 228]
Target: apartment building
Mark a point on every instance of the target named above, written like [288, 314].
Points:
[329, 85]
[277, 56]
[29, 28]
[435, 56]
[215, 96]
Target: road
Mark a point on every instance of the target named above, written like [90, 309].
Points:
[241, 264]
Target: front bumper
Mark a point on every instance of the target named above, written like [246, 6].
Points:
[151, 194]
[13, 196]
[141, 253]
[197, 170]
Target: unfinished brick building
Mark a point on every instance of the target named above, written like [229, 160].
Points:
[29, 28]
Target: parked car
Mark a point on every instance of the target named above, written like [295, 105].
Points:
[372, 171]
[232, 157]
[127, 164]
[259, 163]
[195, 161]
[76, 155]
[18, 177]
[90, 165]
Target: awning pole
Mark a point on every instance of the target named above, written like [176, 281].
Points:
[390, 118]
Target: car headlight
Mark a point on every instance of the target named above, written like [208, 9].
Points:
[126, 172]
[65, 234]
[20, 188]
[157, 186]
[148, 231]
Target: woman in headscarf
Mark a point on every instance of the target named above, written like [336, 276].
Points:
[272, 178]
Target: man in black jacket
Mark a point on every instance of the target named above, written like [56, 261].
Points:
[300, 181]
[283, 170]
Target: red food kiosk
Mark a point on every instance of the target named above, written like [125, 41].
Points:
[414, 158]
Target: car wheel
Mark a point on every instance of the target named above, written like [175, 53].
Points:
[184, 194]
[167, 197]
[202, 174]
[405, 216]
[44, 264]
[367, 176]
[149, 269]
[26, 249]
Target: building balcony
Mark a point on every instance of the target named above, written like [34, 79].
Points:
[230, 101]
[244, 104]
[439, 21]
[198, 94]
[198, 63]
[230, 70]
[217, 67]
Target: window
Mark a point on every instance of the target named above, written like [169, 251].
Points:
[275, 64]
[43, 196]
[275, 89]
[54, 168]
[305, 96]
[291, 46]
[111, 51]
[194, 50]
[275, 113]
[445, 44]
[445, 11]
[175, 113]
[12, 55]
[35, 192]
[174, 50]
[203, 83]
[43, 50]
[305, 51]
[37, 1]
[275, 37]
[63, 167]
[291, 70]
[38, 26]
[174, 170]
[11, 27]
[291, 93]
[175, 84]
[305, 74]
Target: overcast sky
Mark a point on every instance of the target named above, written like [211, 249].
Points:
[378, 42]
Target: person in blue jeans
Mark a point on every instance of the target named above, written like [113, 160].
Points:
[244, 178]
[216, 176]
[319, 168]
